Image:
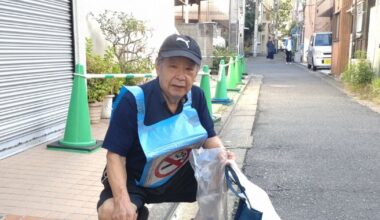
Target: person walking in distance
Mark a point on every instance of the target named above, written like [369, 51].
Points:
[288, 50]
[270, 48]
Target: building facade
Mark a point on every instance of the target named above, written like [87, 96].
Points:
[355, 28]
[220, 20]
[365, 30]
[342, 27]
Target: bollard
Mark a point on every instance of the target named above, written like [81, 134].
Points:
[241, 68]
[244, 64]
[237, 71]
[231, 81]
[78, 134]
[205, 86]
[221, 86]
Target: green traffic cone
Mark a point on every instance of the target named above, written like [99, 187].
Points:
[205, 86]
[231, 79]
[221, 86]
[78, 134]
[241, 67]
[238, 70]
[244, 65]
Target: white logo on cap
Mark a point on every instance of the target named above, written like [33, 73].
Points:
[186, 41]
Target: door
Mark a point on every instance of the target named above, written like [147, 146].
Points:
[36, 69]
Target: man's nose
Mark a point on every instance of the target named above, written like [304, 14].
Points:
[181, 75]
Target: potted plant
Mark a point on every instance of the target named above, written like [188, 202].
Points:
[97, 89]
[112, 86]
[127, 53]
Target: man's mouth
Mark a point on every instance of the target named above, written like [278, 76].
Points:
[178, 86]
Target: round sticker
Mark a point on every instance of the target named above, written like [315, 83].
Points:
[172, 163]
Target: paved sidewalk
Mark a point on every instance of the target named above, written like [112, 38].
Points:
[47, 184]
[52, 184]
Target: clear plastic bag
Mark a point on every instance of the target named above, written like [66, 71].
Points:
[212, 188]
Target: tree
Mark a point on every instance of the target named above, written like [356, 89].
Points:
[250, 8]
[127, 36]
[284, 12]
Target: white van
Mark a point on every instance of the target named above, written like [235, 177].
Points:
[319, 52]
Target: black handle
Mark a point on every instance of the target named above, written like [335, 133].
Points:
[232, 178]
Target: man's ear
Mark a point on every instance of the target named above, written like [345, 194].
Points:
[158, 68]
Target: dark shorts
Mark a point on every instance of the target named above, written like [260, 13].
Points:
[182, 187]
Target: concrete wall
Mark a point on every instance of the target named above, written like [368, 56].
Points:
[159, 17]
[203, 34]
[225, 13]
[210, 10]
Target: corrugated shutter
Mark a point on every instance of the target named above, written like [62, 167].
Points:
[36, 66]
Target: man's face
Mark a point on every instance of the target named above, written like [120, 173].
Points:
[176, 76]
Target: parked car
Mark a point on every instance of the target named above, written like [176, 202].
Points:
[319, 52]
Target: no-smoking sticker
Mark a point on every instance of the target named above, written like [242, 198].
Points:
[172, 163]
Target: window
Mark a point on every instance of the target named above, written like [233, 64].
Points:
[336, 26]
[359, 17]
[323, 40]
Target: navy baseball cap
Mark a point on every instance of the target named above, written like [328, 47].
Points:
[181, 46]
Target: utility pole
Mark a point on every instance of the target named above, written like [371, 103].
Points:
[233, 26]
[276, 2]
[241, 24]
[354, 20]
[255, 29]
[229, 24]
[186, 11]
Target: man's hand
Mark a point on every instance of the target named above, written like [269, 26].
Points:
[124, 210]
[225, 156]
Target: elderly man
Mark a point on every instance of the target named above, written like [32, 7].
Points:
[151, 134]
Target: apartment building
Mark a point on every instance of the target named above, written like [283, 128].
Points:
[317, 18]
[355, 28]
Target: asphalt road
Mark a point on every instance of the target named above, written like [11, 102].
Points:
[316, 151]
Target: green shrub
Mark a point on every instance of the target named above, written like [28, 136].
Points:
[143, 65]
[127, 36]
[376, 87]
[219, 54]
[98, 88]
[363, 74]
[348, 73]
[360, 54]
[358, 74]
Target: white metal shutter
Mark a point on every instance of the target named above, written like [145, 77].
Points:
[36, 66]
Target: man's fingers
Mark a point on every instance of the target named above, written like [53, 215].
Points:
[226, 156]
[230, 155]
